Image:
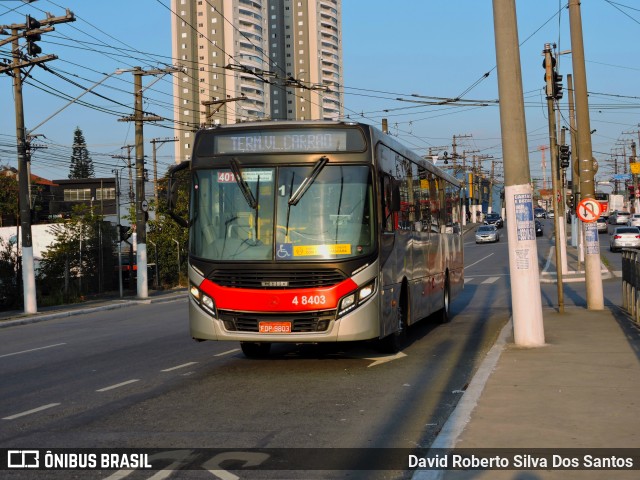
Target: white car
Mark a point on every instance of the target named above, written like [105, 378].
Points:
[487, 233]
[634, 220]
[619, 217]
[622, 237]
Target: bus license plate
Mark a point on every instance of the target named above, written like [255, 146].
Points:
[274, 327]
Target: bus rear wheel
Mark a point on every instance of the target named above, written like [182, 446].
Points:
[255, 350]
[443, 314]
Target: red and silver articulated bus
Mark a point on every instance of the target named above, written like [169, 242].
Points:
[316, 231]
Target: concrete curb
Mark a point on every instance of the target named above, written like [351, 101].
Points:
[457, 421]
[25, 319]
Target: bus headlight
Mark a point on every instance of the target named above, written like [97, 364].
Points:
[356, 298]
[204, 301]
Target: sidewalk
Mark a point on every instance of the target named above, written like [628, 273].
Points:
[18, 317]
[580, 391]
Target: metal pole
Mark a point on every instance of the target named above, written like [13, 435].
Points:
[555, 201]
[178, 244]
[528, 329]
[119, 240]
[593, 275]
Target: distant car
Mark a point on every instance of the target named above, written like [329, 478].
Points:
[540, 213]
[634, 220]
[494, 219]
[619, 217]
[624, 237]
[551, 214]
[487, 234]
[539, 230]
[601, 223]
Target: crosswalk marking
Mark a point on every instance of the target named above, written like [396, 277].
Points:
[467, 280]
[491, 280]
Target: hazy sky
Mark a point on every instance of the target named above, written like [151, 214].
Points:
[392, 51]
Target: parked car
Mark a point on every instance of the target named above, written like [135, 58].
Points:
[551, 214]
[487, 233]
[619, 217]
[634, 220]
[539, 230]
[494, 219]
[540, 212]
[624, 237]
[601, 223]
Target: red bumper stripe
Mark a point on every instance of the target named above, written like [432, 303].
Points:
[294, 300]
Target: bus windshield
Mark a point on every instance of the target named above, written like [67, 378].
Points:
[331, 217]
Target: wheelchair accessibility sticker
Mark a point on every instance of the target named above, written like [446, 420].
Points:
[284, 251]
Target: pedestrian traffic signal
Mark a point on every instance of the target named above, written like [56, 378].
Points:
[32, 24]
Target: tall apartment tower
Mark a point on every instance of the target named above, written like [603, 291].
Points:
[254, 59]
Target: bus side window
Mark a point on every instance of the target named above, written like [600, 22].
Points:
[386, 187]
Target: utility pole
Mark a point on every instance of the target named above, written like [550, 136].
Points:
[141, 203]
[31, 30]
[551, 94]
[208, 114]
[153, 142]
[593, 275]
[526, 301]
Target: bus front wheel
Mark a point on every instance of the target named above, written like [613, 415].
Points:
[396, 341]
[255, 350]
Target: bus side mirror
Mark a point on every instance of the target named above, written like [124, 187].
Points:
[172, 193]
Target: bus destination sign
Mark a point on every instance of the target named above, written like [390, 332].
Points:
[274, 141]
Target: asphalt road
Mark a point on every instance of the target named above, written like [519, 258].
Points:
[133, 378]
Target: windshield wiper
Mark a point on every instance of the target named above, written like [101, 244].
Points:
[244, 186]
[286, 233]
[306, 183]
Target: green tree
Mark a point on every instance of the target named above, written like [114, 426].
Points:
[81, 257]
[81, 163]
[9, 269]
[8, 197]
[164, 230]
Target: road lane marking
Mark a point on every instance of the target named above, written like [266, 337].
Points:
[227, 352]
[178, 366]
[118, 385]
[467, 279]
[29, 412]
[491, 280]
[469, 266]
[31, 350]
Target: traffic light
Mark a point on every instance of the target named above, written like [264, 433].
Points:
[570, 200]
[557, 85]
[125, 232]
[32, 48]
[548, 74]
[565, 156]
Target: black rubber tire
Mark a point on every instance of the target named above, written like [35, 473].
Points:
[255, 350]
[443, 313]
[397, 340]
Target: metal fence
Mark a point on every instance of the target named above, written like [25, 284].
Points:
[631, 282]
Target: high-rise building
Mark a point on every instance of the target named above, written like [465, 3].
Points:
[254, 59]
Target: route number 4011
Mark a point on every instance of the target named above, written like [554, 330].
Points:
[309, 300]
